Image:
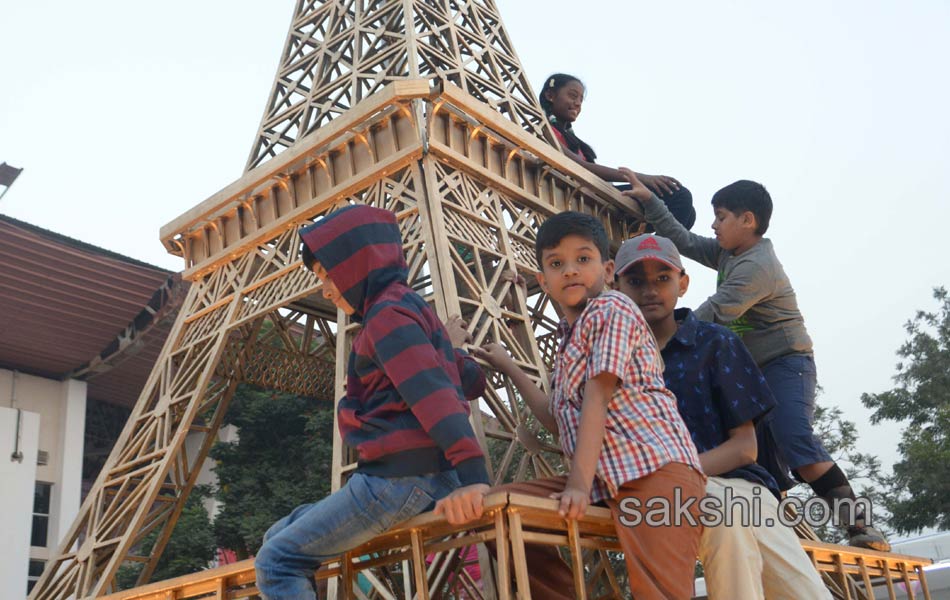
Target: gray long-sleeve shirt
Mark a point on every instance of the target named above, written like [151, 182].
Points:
[753, 295]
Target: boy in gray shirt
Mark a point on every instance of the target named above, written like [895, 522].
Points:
[755, 299]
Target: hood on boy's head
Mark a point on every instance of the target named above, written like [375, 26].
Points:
[361, 249]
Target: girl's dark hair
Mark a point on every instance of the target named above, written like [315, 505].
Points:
[553, 84]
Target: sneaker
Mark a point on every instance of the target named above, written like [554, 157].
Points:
[868, 537]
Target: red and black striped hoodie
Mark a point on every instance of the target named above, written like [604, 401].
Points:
[405, 410]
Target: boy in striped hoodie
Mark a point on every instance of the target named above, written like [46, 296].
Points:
[405, 410]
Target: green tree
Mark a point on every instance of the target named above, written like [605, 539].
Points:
[282, 459]
[190, 548]
[920, 490]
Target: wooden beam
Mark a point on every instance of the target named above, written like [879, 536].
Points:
[294, 158]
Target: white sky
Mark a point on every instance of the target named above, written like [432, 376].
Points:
[125, 114]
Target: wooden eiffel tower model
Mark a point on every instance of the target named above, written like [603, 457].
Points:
[417, 106]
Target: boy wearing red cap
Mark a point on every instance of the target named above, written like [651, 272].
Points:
[721, 394]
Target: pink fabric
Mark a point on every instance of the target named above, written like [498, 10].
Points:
[560, 138]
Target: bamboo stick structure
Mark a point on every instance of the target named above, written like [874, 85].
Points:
[399, 557]
[420, 107]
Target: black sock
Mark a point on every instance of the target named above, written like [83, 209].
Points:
[834, 479]
[834, 485]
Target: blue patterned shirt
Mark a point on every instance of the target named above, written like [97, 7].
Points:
[718, 387]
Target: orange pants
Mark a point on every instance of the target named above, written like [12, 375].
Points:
[661, 559]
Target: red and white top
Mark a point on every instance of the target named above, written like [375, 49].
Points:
[560, 137]
[644, 430]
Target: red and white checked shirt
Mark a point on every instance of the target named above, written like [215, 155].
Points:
[644, 430]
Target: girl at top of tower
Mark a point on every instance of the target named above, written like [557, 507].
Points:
[561, 99]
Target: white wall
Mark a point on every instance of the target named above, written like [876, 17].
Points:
[68, 464]
[935, 546]
[16, 501]
[206, 475]
[59, 410]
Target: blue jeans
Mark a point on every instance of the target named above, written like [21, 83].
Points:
[787, 439]
[365, 507]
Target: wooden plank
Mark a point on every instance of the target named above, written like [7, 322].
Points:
[480, 112]
[868, 588]
[203, 578]
[512, 190]
[888, 581]
[347, 577]
[518, 556]
[522, 512]
[502, 557]
[842, 576]
[577, 560]
[908, 584]
[346, 188]
[850, 553]
[419, 566]
[287, 160]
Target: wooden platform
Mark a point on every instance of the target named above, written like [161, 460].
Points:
[421, 559]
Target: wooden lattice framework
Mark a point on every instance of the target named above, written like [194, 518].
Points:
[339, 53]
[851, 574]
[419, 107]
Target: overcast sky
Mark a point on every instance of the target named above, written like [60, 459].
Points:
[125, 114]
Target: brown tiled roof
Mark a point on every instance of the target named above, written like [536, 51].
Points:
[68, 308]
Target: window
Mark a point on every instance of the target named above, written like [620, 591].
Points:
[36, 569]
[41, 503]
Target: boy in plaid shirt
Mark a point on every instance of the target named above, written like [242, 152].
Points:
[618, 424]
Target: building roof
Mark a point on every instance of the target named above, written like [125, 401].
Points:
[71, 309]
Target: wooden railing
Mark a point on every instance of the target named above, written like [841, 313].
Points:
[423, 558]
[854, 573]
[398, 125]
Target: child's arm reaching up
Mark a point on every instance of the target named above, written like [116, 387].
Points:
[703, 250]
[496, 356]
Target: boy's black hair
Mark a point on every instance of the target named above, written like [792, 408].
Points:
[745, 195]
[568, 223]
[552, 84]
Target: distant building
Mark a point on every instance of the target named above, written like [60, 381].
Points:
[80, 328]
[935, 546]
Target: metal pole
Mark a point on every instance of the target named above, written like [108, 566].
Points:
[12, 181]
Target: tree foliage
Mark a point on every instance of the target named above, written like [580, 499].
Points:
[282, 459]
[920, 491]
